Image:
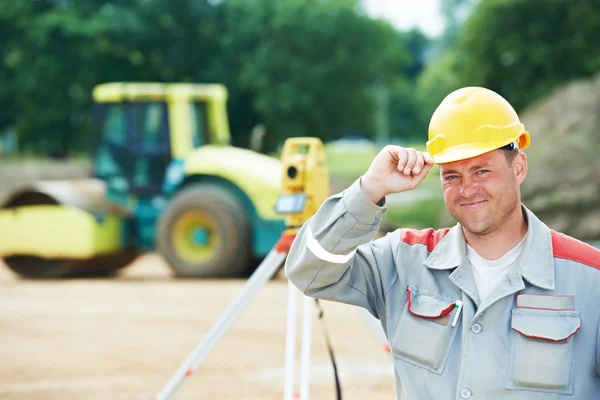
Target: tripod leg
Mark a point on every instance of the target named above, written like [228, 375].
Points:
[307, 312]
[290, 342]
[259, 278]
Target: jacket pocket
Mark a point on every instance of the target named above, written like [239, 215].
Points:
[542, 344]
[424, 333]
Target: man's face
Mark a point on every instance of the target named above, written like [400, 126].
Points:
[482, 192]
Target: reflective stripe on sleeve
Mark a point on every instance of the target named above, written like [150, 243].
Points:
[314, 246]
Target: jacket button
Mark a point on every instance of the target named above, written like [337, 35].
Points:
[465, 393]
[476, 328]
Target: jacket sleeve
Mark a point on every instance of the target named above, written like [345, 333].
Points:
[598, 349]
[334, 256]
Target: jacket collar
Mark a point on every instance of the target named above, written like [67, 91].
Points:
[535, 263]
[450, 252]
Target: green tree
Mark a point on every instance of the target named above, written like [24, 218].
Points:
[440, 75]
[310, 65]
[525, 48]
[436, 81]
[301, 67]
[454, 14]
[406, 118]
[54, 52]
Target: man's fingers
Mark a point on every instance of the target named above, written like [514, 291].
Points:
[428, 159]
[426, 168]
[412, 158]
[418, 178]
[402, 159]
[413, 162]
[419, 163]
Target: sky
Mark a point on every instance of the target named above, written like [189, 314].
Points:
[406, 14]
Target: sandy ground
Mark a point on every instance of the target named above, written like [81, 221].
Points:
[123, 337]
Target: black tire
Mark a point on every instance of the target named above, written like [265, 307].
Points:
[231, 257]
[32, 267]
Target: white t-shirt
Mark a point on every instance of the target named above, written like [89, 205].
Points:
[488, 273]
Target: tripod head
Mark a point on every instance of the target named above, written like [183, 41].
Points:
[305, 182]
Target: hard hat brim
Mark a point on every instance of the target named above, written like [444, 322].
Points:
[459, 153]
[463, 152]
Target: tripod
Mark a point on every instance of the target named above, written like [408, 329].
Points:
[269, 266]
[305, 186]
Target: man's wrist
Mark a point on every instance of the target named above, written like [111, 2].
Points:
[372, 190]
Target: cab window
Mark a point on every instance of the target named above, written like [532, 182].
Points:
[199, 123]
[150, 125]
[112, 145]
[152, 150]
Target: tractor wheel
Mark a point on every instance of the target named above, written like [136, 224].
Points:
[33, 267]
[204, 233]
[39, 268]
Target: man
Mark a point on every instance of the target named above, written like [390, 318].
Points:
[497, 307]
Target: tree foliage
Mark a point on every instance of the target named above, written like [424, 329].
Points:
[305, 63]
[522, 49]
[436, 81]
[441, 73]
[301, 67]
[54, 52]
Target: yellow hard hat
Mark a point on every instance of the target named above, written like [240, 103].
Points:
[471, 121]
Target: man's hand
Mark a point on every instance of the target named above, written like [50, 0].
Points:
[395, 169]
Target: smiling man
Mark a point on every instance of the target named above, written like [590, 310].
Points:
[497, 307]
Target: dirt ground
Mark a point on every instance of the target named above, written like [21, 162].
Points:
[123, 337]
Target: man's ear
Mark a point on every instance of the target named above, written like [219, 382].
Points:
[520, 166]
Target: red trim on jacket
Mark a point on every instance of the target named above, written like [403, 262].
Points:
[428, 237]
[569, 248]
[443, 313]
[547, 338]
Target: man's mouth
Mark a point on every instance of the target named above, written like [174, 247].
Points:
[473, 204]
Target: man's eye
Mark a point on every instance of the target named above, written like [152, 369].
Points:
[483, 171]
[450, 177]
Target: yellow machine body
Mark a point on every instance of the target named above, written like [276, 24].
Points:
[156, 142]
[58, 231]
[177, 96]
[260, 182]
[55, 228]
[61, 219]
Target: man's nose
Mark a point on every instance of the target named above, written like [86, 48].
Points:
[468, 187]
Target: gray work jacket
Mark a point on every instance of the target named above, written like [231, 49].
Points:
[536, 336]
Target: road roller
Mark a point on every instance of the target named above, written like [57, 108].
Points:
[164, 178]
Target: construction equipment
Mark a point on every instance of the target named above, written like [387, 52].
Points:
[164, 178]
[304, 187]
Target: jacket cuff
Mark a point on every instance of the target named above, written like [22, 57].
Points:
[360, 207]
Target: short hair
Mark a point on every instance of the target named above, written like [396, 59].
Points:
[510, 151]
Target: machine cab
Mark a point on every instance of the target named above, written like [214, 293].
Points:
[134, 150]
[142, 127]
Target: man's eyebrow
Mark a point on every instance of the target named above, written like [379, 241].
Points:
[476, 167]
[473, 168]
[450, 171]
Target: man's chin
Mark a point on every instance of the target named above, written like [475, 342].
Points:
[474, 227]
[478, 230]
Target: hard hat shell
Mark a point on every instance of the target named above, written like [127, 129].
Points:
[472, 121]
